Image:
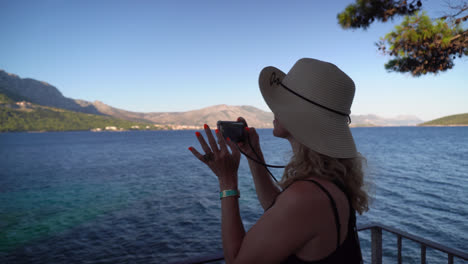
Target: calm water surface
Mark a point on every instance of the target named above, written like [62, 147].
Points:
[141, 197]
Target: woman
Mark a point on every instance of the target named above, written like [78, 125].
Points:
[310, 215]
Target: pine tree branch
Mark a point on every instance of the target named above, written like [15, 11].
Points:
[463, 34]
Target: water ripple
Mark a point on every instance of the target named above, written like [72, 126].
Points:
[140, 197]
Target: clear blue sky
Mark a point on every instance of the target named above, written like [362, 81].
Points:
[158, 56]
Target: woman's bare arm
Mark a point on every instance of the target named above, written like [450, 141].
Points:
[266, 188]
[280, 232]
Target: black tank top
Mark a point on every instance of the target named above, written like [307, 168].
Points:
[349, 251]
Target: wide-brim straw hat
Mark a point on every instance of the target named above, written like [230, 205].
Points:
[313, 102]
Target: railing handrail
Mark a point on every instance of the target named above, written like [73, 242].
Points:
[376, 257]
[418, 239]
[202, 259]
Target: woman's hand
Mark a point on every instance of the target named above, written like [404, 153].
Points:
[254, 139]
[223, 163]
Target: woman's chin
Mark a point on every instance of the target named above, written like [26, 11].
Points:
[279, 134]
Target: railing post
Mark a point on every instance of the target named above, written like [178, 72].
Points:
[450, 259]
[376, 238]
[399, 249]
[423, 254]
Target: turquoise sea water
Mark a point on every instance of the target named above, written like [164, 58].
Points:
[141, 197]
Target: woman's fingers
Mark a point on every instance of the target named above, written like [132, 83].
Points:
[241, 119]
[202, 141]
[211, 139]
[197, 154]
[235, 151]
[221, 141]
[253, 135]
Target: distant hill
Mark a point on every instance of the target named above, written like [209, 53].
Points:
[17, 115]
[42, 93]
[210, 115]
[453, 120]
[374, 120]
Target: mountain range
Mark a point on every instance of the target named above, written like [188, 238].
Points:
[43, 93]
[375, 120]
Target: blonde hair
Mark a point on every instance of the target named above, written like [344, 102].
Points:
[346, 172]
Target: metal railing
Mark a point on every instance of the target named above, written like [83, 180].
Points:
[376, 246]
[376, 241]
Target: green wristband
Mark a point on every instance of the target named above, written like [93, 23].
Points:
[227, 193]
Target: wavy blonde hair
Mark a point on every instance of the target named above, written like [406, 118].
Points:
[346, 172]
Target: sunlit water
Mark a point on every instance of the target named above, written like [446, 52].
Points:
[141, 197]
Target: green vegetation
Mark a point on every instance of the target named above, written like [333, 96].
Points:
[5, 99]
[32, 117]
[453, 120]
[420, 44]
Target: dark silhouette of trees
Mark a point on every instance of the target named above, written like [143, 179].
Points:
[420, 44]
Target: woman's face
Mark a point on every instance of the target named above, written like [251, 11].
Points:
[279, 130]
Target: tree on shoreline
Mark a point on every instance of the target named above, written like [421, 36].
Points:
[420, 44]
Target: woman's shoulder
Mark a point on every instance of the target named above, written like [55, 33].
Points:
[304, 193]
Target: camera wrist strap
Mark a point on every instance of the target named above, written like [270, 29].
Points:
[258, 161]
